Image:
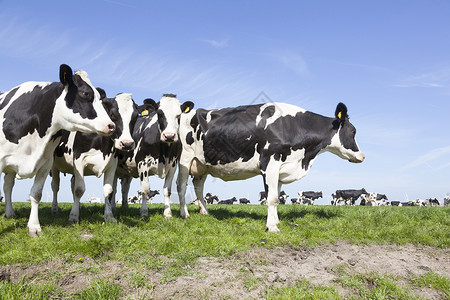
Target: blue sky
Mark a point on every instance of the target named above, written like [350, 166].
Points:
[388, 61]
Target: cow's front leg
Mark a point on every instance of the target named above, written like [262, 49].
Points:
[272, 185]
[34, 227]
[125, 187]
[108, 181]
[8, 185]
[145, 189]
[78, 188]
[183, 176]
[168, 191]
[199, 183]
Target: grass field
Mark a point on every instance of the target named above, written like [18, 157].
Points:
[169, 248]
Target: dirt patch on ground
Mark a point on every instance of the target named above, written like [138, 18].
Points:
[246, 275]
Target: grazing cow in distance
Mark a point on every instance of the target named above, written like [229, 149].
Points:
[209, 198]
[32, 115]
[86, 154]
[244, 201]
[278, 141]
[282, 197]
[308, 197]
[374, 199]
[417, 202]
[349, 197]
[447, 201]
[228, 201]
[432, 202]
[158, 148]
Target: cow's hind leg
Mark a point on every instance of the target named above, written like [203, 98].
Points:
[167, 192]
[55, 189]
[125, 189]
[78, 189]
[183, 176]
[8, 185]
[199, 183]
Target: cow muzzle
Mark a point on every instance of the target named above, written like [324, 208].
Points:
[108, 129]
[358, 158]
[169, 137]
[126, 145]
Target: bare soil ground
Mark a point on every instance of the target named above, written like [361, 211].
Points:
[246, 275]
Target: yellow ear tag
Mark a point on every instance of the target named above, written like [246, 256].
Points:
[187, 109]
[339, 115]
[144, 112]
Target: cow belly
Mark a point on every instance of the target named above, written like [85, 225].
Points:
[291, 170]
[237, 170]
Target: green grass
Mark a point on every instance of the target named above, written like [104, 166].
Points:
[226, 230]
[171, 245]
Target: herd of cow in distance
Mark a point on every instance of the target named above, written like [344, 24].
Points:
[69, 126]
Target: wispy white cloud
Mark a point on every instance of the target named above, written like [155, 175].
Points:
[428, 158]
[293, 61]
[221, 43]
[434, 79]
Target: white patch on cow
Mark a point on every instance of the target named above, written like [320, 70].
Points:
[291, 169]
[337, 148]
[126, 109]
[172, 111]
[281, 110]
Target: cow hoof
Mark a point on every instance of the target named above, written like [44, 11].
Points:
[125, 205]
[73, 220]
[272, 228]
[203, 212]
[144, 213]
[10, 216]
[168, 214]
[55, 210]
[35, 232]
[110, 219]
[185, 215]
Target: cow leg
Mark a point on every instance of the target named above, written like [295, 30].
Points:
[78, 189]
[199, 183]
[270, 177]
[8, 185]
[113, 194]
[55, 189]
[145, 189]
[125, 183]
[34, 227]
[168, 191]
[108, 181]
[183, 176]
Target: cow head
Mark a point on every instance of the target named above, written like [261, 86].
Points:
[343, 144]
[123, 112]
[83, 110]
[169, 110]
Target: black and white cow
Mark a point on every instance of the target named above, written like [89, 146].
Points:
[347, 196]
[86, 154]
[209, 198]
[307, 197]
[433, 202]
[282, 198]
[228, 201]
[32, 115]
[374, 199]
[158, 148]
[446, 200]
[244, 201]
[276, 140]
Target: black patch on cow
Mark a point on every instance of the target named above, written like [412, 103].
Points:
[189, 138]
[31, 112]
[80, 97]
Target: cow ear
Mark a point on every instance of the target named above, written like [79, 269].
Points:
[101, 92]
[341, 112]
[148, 106]
[65, 74]
[187, 106]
